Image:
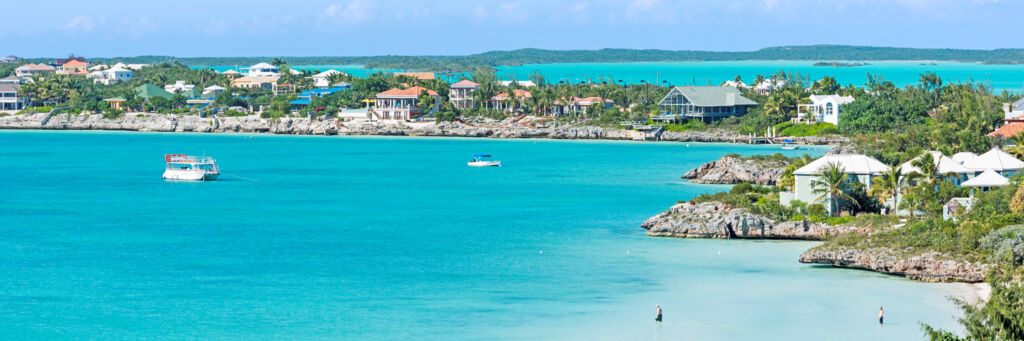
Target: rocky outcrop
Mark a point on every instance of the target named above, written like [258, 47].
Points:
[928, 266]
[732, 170]
[717, 220]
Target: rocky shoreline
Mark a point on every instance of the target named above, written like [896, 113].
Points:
[716, 220]
[733, 170]
[928, 266]
[321, 126]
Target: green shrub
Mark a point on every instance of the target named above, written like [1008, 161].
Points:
[816, 210]
[1006, 242]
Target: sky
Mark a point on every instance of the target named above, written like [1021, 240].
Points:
[190, 28]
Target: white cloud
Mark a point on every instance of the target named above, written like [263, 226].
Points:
[81, 23]
[354, 12]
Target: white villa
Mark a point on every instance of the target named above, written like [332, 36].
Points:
[262, 69]
[112, 75]
[501, 101]
[996, 159]
[461, 93]
[823, 108]
[11, 98]
[860, 168]
[769, 85]
[323, 79]
[179, 86]
[402, 105]
[29, 70]
[736, 84]
[945, 165]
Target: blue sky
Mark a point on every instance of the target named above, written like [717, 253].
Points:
[366, 27]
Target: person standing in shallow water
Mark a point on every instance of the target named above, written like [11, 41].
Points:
[881, 312]
[658, 318]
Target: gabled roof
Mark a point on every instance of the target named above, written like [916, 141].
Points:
[150, 91]
[410, 92]
[465, 84]
[944, 164]
[6, 87]
[262, 66]
[852, 163]
[712, 96]
[76, 63]
[988, 178]
[417, 75]
[962, 157]
[230, 72]
[35, 67]
[214, 88]
[995, 159]
[328, 74]
[1018, 105]
[1008, 130]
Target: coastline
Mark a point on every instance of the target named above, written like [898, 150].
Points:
[172, 123]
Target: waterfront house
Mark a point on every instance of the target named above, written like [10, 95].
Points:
[110, 76]
[947, 167]
[256, 82]
[261, 69]
[323, 79]
[769, 85]
[503, 102]
[578, 105]
[1013, 111]
[823, 108]
[461, 94]
[147, 91]
[402, 104]
[859, 168]
[423, 76]
[997, 160]
[74, 67]
[736, 84]
[179, 87]
[706, 103]
[11, 98]
[8, 59]
[29, 70]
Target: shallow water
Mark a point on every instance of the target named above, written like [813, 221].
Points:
[395, 238]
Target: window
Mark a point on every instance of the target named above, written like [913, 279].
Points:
[828, 109]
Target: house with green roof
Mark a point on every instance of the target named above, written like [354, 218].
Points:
[148, 91]
[707, 103]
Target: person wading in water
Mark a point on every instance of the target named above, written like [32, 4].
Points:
[658, 318]
[880, 313]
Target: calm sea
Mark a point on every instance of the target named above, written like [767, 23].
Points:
[998, 77]
[395, 238]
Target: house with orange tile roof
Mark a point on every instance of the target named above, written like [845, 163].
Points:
[29, 70]
[461, 93]
[579, 105]
[74, 67]
[1009, 130]
[423, 76]
[503, 102]
[402, 104]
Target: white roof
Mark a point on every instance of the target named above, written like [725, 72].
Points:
[295, 72]
[822, 99]
[996, 160]
[214, 88]
[852, 163]
[945, 165]
[97, 67]
[327, 74]
[262, 66]
[735, 84]
[962, 157]
[988, 178]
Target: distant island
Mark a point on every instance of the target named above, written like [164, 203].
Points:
[540, 56]
[839, 64]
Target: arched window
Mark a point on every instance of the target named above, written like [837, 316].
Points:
[828, 109]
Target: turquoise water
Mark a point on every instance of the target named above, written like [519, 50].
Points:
[395, 238]
[999, 77]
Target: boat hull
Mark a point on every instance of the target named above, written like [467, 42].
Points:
[188, 175]
[484, 164]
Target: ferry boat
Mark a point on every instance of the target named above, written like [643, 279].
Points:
[483, 161]
[183, 167]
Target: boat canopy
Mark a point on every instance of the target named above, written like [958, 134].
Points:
[481, 155]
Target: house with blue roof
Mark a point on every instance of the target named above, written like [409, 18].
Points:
[307, 96]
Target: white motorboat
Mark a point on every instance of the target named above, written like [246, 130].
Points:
[181, 167]
[483, 161]
[788, 145]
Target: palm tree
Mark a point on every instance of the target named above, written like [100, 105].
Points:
[927, 172]
[888, 185]
[788, 179]
[1018, 145]
[831, 183]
